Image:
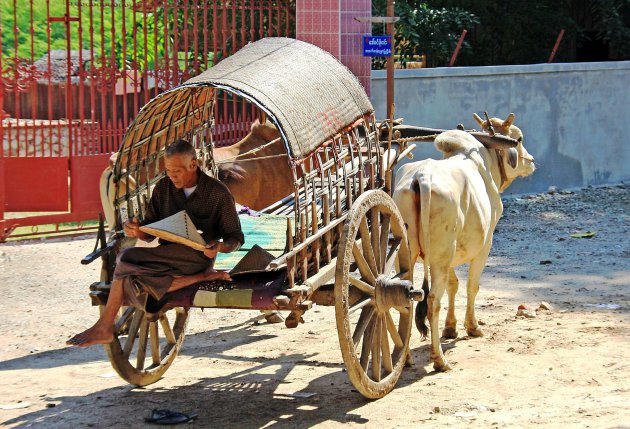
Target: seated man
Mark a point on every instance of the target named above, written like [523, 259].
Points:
[143, 274]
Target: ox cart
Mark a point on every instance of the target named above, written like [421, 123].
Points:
[343, 239]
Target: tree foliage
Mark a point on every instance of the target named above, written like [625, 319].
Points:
[140, 39]
[510, 31]
[425, 30]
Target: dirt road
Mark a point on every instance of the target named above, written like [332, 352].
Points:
[566, 367]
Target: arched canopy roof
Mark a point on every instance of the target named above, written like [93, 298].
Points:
[308, 94]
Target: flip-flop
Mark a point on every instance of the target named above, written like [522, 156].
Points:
[168, 417]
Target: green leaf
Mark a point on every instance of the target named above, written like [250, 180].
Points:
[587, 234]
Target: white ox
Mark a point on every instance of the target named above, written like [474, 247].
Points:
[451, 207]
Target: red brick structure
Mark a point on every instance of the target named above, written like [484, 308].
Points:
[330, 24]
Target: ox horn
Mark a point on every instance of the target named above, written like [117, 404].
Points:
[478, 119]
[509, 121]
[496, 141]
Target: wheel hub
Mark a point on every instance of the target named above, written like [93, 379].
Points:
[392, 292]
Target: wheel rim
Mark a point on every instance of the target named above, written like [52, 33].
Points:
[373, 321]
[145, 345]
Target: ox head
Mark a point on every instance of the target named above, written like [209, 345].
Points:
[518, 162]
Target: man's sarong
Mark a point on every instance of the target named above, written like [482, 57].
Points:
[147, 272]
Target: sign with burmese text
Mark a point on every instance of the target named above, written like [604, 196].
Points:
[377, 46]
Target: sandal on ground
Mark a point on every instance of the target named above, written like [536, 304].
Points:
[168, 417]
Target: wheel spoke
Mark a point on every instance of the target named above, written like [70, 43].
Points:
[360, 305]
[123, 319]
[166, 327]
[376, 350]
[361, 285]
[133, 331]
[366, 347]
[366, 244]
[387, 357]
[364, 268]
[142, 344]
[375, 237]
[362, 324]
[393, 332]
[402, 310]
[385, 222]
[391, 256]
[155, 343]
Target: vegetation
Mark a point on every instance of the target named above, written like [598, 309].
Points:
[499, 31]
[108, 23]
[144, 32]
[510, 31]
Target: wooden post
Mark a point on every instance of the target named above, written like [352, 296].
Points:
[327, 245]
[290, 261]
[390, 61]
[314, 229]
[303, 254]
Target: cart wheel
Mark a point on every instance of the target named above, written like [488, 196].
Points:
[374, 321]
[134, 330]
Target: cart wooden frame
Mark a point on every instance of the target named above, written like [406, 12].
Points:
[346, 242]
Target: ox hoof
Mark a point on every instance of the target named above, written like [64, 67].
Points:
[449, 332]
[442, 366]
[474, 332]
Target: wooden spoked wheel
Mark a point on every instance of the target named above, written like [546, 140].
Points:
[372, 306]
[145, 344]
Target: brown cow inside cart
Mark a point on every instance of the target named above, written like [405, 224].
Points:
[336, 239]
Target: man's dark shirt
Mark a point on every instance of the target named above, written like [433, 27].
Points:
[210, 207]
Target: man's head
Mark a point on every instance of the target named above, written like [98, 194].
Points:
[180, 161]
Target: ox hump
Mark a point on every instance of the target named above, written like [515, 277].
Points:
[455, 141]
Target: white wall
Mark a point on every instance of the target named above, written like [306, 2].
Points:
[574, 117]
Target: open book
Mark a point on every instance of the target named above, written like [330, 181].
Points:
[178, 228]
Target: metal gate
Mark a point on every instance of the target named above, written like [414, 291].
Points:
[75, 73]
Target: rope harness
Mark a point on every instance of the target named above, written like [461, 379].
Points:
[253, 151]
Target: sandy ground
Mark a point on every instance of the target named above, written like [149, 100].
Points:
[568, 367]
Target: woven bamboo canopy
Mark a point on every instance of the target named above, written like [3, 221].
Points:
[305, 91]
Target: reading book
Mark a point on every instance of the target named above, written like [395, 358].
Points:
[178, 228]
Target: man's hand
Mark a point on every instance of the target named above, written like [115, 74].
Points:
[212, 274]
[212, 248]
[132, 229]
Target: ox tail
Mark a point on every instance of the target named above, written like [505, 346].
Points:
[422, 193]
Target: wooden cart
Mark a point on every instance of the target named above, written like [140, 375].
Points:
[346, 244]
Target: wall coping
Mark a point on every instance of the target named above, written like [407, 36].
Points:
[502, 70]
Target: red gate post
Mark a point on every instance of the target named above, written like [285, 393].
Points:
[2, 169]
[2, 185]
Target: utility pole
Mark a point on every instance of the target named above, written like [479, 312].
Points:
[390, 61]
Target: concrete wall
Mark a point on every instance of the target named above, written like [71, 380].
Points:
[575, 117]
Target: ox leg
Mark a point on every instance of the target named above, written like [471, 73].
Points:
[474, 275]
[450, 330]
[439, 280]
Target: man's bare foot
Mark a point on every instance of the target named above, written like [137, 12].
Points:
[90, 337]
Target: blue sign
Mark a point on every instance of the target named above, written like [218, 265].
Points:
[377, 46]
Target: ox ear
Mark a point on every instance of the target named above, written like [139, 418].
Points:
[509, 121]
[478, 119]
[512, 157]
